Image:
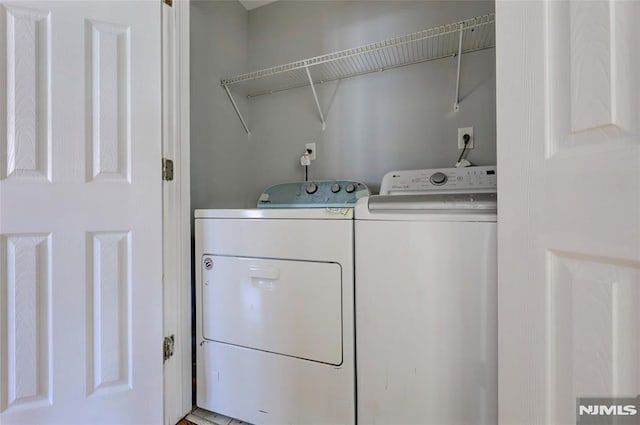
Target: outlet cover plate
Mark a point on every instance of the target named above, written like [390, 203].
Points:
[312, 146]
[461, 132]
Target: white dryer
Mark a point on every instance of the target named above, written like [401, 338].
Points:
[426, 329]
[274, 306]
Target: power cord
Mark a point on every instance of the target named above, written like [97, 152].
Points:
[305, 161]
[466, 138]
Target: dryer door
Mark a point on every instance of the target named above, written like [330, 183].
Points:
[285, 307]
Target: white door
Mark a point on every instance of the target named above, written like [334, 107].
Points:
[80, 213]
[568, 112]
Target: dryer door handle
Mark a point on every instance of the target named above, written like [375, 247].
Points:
[264, 272]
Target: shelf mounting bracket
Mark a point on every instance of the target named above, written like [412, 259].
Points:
[235, 106]
[456, 105]
[315, 97]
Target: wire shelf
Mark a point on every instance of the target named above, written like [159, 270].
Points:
[435, 43]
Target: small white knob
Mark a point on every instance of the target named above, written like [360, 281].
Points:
[312, 188]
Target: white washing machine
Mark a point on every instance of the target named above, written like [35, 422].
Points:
[274, 306]
[426, 327]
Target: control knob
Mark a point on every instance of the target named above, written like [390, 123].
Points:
[438, 179]
[312, 188]
[335, 188]
[350, 188]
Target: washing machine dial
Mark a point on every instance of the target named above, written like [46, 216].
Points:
[350, 188]
[438, 179]
[335, 188]
[312, 188]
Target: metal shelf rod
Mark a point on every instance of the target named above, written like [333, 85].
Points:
[235, 106]
[315, 97]
[456, 105]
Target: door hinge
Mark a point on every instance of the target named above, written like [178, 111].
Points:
[167, 169]
[168, 347]
[168, 2]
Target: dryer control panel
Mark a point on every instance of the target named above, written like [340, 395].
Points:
[314, 194]
[440, 180]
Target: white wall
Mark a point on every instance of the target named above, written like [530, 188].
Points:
[398, 119]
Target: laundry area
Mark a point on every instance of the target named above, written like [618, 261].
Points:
[307, 212]
[343, 189]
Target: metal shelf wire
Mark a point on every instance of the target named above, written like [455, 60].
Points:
[434, 43]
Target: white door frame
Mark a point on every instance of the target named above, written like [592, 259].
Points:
[176, 209]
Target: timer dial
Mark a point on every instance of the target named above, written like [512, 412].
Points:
[438, 178]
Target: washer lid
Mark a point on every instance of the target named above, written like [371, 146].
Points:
[461, 202]
[437, 208]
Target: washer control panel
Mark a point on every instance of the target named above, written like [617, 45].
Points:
[441, 180]
[314, 194]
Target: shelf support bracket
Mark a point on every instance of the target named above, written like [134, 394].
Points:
[315, 97]
[456, 105]
[235, 106]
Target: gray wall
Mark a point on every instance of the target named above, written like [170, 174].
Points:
[398, 119]
[219, 149]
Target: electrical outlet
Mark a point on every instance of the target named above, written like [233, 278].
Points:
[312, 147]
[461, 132]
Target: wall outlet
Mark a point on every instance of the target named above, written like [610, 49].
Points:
[461, 132]
[312, 147]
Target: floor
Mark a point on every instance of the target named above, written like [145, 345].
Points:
[204, 417]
